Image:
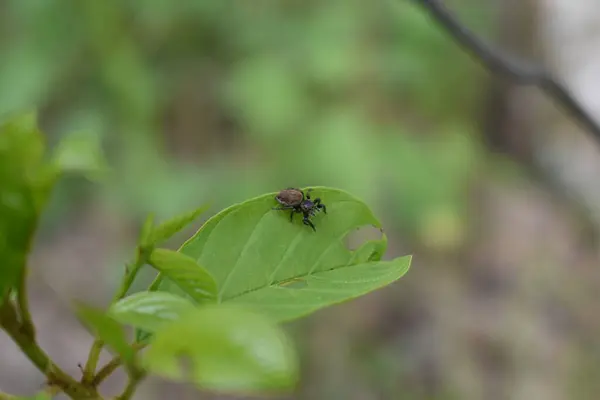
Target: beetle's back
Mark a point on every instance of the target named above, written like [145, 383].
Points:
[289, 197]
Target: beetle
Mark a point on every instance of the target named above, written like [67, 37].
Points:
[299, 202]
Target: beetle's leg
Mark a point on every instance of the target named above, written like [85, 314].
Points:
[307, 194]
[306, 221]
[320, 205]
[292, 215]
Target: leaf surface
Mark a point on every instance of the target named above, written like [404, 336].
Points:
[185, 272]
[229, 349]
[150, 310]
[253, 251]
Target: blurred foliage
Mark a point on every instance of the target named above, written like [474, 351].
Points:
[217, 101]
[25, 182]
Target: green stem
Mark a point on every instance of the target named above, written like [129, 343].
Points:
[134, 380]
[129, 278]
[90, 366]
[21, 335]
[92, 362]
[112, 365]
[23, 303]
[156, 283]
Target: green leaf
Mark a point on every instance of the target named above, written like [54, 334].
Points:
[168, 228]
[230, 349]
[150, 310]
[25, 184]
[185, 272]
[81, 153]
[253, 252]
[301, 296]
[106, 329]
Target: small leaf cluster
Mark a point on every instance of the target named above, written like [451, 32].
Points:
[218, 301]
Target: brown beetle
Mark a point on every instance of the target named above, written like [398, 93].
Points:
[298, 202]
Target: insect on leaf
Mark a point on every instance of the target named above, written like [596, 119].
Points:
[253, 252]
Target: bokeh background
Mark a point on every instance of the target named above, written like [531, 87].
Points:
[490, 186]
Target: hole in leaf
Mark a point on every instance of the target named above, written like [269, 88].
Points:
[358, 237]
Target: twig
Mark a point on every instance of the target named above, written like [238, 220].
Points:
[94, 355]
[27, 326]
[134, 381]
[21, 335]
[516, 70]
[111, 366]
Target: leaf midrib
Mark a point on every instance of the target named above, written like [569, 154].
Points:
[231, 272]
[302, 275]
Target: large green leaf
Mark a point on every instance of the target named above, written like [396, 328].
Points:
[25, 183]
[254, 252]
[301, 296]
[230, 349]
[150, 310]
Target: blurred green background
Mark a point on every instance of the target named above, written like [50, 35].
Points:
[217, 101]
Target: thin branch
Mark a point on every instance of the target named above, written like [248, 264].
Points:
[106, 371]
[112, 366]
[21, 335]
[27, 326]
[94, 355]
[516, 70]
[134, 381]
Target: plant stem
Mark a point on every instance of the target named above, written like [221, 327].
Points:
[92, 361]
[23, 304]
[106, 371]
[156, 283]
[21, 335]
[134, 380]
[111, 366]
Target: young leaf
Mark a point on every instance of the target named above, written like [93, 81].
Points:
[168, 228]
[25, 183]
[106, 329]
[150, 310]
[253, 251]
[185, 272]
[230, 349]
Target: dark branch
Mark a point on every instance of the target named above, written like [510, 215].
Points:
[519, 72]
